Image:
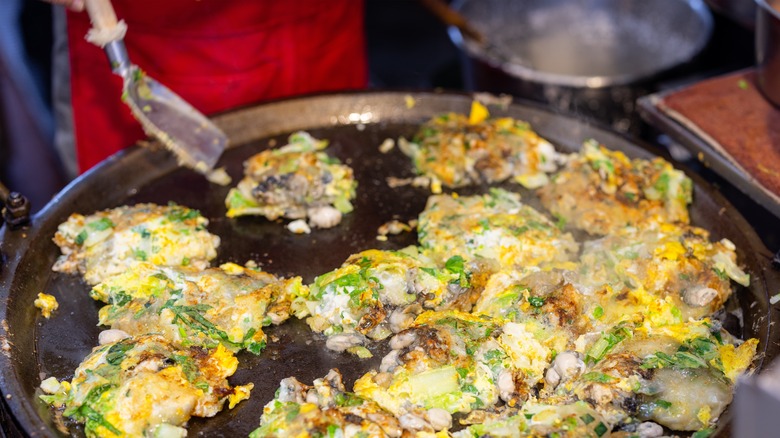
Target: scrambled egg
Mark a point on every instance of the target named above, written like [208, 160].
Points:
[664, 261]
[458, 150]
[566, 421]
[434, 365]
[227, 305]
[295, 181]
[377, 293]
[47, 303]
[324, 409]
[601, 191]
[495, 226]
[145, 385]
[109, 242]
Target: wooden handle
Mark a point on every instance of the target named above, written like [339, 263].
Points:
[102, 15]
[105, 27]
[451, 17]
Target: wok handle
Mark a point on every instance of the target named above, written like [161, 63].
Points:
[105, 26]
[15, 208]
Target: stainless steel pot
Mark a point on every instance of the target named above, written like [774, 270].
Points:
[590, 57]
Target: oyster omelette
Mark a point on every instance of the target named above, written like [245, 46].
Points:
[598, 317]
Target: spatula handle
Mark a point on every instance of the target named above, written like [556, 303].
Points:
[105, 26]
[102, 14]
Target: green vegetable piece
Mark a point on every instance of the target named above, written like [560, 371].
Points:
[81, 237]
[455, 264]
[594, 376]
[116, 353]
[101, 224]
[140, 254]
[120, 298]
[181, 214]
[536, 301]
[92, 418]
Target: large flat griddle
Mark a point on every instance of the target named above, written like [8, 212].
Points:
[355, 124]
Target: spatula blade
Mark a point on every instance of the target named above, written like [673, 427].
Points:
[195, 140]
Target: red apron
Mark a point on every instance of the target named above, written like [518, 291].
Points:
[215, 54]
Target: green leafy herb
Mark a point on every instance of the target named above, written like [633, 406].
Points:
[117, 352]
[120, 298]
[192, 317]
[663, 404]
[594, 376]
[694, 353]
[81, 237]
[347, 399]
[605, 165]
[679, 360]
[587, 419]
[536, 225]
[536, 301]
[455, 264]
[468, 387]
[702, 347]
[140, 254]
[519, 230]
[101, 224]
[720, 273]
[92, 418]
[606, 343]
[248, 335]
[598, 312]
[181, 214]
[600, 429]
[295, 408]
[187, 366]
[662, 184]
[702, 433]
[429, 271]
[256, 347]
[494, 355]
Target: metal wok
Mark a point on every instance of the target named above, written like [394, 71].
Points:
[589, 57]
[32, 348]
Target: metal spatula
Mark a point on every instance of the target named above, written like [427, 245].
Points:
[196, 141]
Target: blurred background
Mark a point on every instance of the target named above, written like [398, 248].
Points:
[408, 47]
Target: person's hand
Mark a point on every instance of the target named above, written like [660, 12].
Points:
[74, 5]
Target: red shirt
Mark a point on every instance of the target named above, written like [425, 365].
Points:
[217, 55]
